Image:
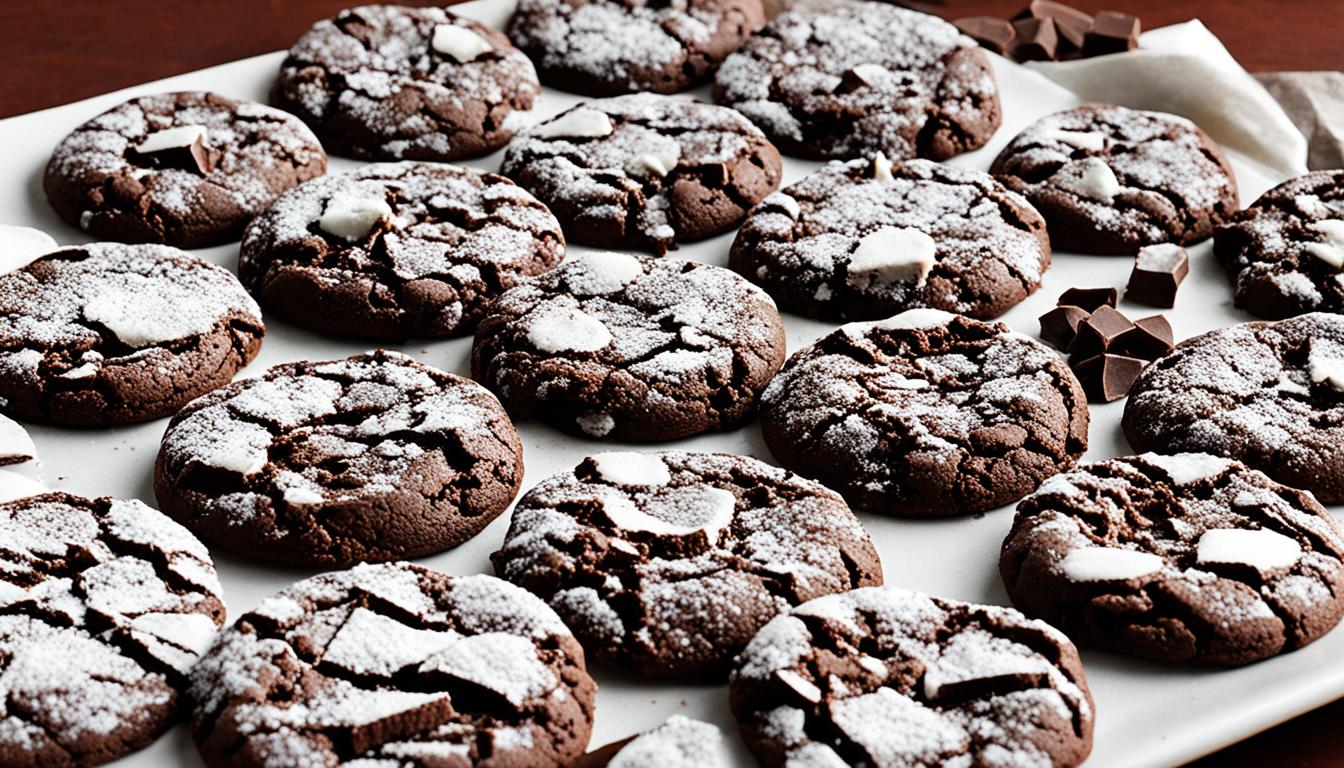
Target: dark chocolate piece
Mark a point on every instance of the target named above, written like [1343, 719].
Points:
[1158, 272]
[1098, 332]
[1060, 325]
[1036, 40]
[1090, 299]
[994, 34]
[192, 156]
[1111, 32]
[1108, 377]
[1150, 338]
[1071, 24]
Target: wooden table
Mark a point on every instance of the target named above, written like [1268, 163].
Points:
[58, 52]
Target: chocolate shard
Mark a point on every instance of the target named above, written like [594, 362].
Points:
[1157, 274]
[1106, 377]
[1098, 333]
[993, 34]
[1149, 339]
[1111, 32]
[1071, 24]
[1060, 325]
[193, 156]
[1090, 299]
[1036, 40]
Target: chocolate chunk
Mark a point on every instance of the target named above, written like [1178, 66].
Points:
[1089, 299]
[1107, 377]
[1060, 325]
[1036, 40]
[182, 148]
[1150, 338]
[1098, 332]
[994, 34]
[1111, 32]
[1071, 24]
[1158, 272]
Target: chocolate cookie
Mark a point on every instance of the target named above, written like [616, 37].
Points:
[630, 347]
[1285, 253]
[106, 334]
[610, 47]
[680, 742]
[105, 606]
[392, 82]
[926, 414]
[1268, 394]
[186, 169]
[370, 458]
[848, 78]
[1111, 180]
[869, 238]
[645, 170]
[397, 250]
[668, 563]
[1183, 558]
[889, 678]
[394, 665]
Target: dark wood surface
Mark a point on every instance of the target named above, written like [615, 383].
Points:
[59, 51]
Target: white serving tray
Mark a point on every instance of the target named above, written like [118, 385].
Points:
[1147, 714]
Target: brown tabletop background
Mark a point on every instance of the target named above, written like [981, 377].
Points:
[62, 51]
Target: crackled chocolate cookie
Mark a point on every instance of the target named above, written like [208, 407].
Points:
[1188, 557]
[397, 250]
[107, 334]
[394, 665]
[187, 169]
[1285, 253]
[889, 678]
[645, 170]
[392, 82]
[866, 239]
[848, 78]
[680, 742]
[668, 563]
[1268, 394]
[1111, 180]
[630, 347]
[610, 47]
[105, 606]
[370, 458]
[926, 414]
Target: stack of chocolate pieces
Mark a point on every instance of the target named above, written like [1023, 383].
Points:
[1107, 350]
[1049, 31]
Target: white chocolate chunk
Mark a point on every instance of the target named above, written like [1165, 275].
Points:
[351, 217]
[1090, 177]
[14, 485]
[21, 246]
[596, 424]
[799, 685]
[677, 512]
[659, 162]
[1108, 564]
[16, 446]
[1187, 468]
[578, 123]
[171, 138]
[1259, 548]
[632, 468]
[1090, 141]
[869, 73]
[1325, 363]
[604, 272]
[459, 42]
[891, 255]
[555, 328]
[1331, 248]
[881, 167]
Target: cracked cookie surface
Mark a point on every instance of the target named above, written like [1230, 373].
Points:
[610, 47]
[107, 334]
[645, 170]
[370, 458]
[630, 347]
[383, 82]
[1188, 557]
[1270, 394]
[866, 239]
[105, 606]
[1110, 180]
[926, 414]
[667, 563]
[99, 181]
[397, 250]
[890, 678]
[392, 665]
[846, 78]
[1285, 253]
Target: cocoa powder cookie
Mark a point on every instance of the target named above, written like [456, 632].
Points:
[393, 82]
[394, 665]
[1188, 557]
[645, 170]
[370, 458]
[889, 678]
[680, 742]
[1285, 253]
[667, 563]
[866, 239]
[186, 169]
[106, 334]
[848, 78]
[1111, 180]
[105, 606]
[630, 347]
[1268, 394]
[610, 47]
[926, 414]
[397, 250]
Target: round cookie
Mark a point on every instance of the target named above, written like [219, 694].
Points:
[849, 78]
[666, 564]
[926, 414]
[397, 250]
[610, 47]
[392, 665]
[1268, 394]
[889, 678]
[370, 458]
[1285, 253]
[1111, 180]
[105, 606]
[630, 348]
[866, 239]
[187, 169]
[645, 170]
[1182, 558]
[680, 742]
[393, 82]
[107, 334]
